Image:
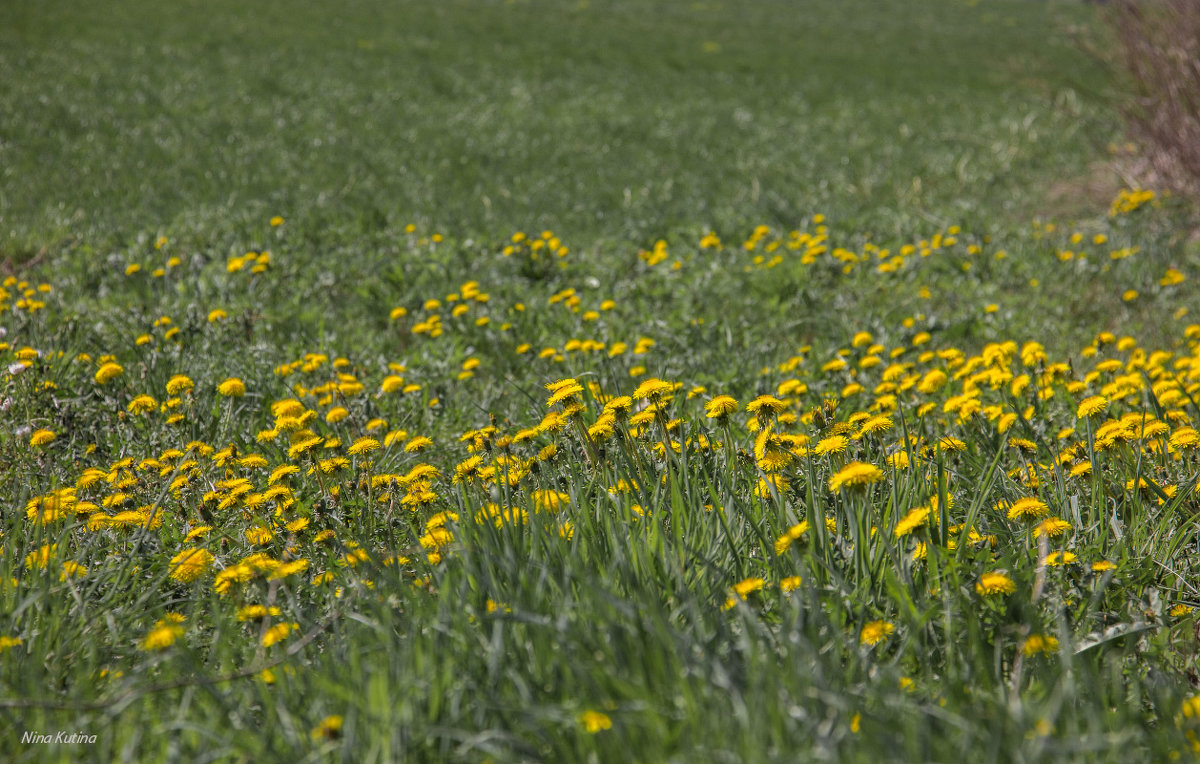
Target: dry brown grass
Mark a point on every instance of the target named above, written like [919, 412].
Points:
[1160, 48]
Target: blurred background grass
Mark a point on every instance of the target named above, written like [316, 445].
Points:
[603, 119]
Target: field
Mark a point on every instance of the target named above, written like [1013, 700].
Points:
[732, 380]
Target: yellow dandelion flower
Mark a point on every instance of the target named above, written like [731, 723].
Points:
[603, 428]
[720, 407]
[855, 475]
[419, 443]
[652, 389]
[288, 569]
[278, 633]
[363, 446]
[875, 632]
[550, 501]
[1172, 277]
[789, 584]
[875, 424]
[1039, 643]
[421, 473]
[41, 558]
[1051, 527]
[232, 388]
[766, 405]
[192, 563]
[1027, 508]
[920, 552]
[748, 586]
[563, 389]
[72, 570]
[771, 484]
[164, 634]
[179, 384]
[330, 728]
[784, 542]
[1058, 559]
[915, 519]
[834, 444]
[932, 381]
[1185, 437]
[282, 473]
[255, 612]
[108, 372]
[329, 466]
[304, 446]
[1191, 707]
[142, 404]
[253, 461]
[259, 535]
[619, 406]
[594, 721]
[42, 438]
[1096, 404]
[197, 532]
[994, 583]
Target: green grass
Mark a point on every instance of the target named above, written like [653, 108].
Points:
[958, 155]
[604, 120]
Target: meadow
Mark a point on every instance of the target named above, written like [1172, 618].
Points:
[590, 381]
